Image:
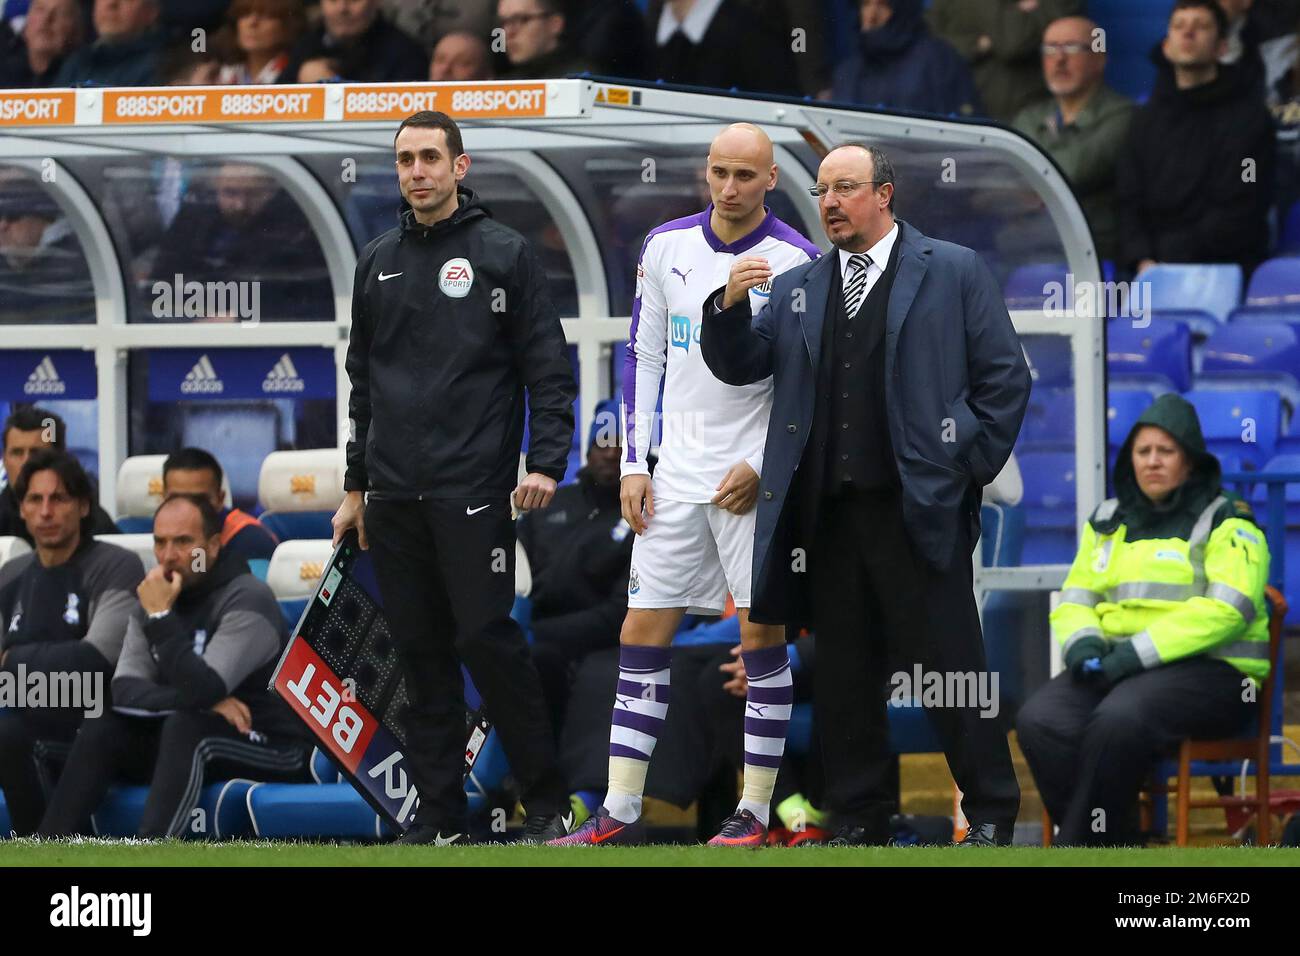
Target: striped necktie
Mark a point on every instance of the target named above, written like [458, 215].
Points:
[857, 283]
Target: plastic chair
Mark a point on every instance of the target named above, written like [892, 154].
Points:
[1158, 357]
[1229, 418]
[1257, 355]
[1205, 293]
[1027, 286]
[300, 491]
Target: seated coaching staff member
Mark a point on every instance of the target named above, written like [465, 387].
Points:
[28, 430]
[63, 609]
[190, 687]
[451, 322]
[900, 386]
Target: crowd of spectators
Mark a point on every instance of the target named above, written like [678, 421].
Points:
[1205, 168]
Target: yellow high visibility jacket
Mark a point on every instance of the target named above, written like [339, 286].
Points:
[1172, 597]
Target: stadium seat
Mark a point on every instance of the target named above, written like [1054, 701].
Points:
[295, 568]
[286, 810]
[1157, 357]
[1027, 286]
[1229, 419]
[1202, 294]
[1123, 406]
[1049, 420]
[221, 812]
[1257, 355]
[12, 546]
[1274, 291]
[1050, 362]
[1049, 503]
[300, 491]
[140, 492]
[140, 545]
[1259, 496]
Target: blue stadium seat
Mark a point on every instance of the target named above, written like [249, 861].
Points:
[1051, 363]
[1132, 29]
[1123, 406]
[1048, 503]
[221, 812]
[1049, 420]
[1229, 417]
[1026, 287]
[1259, 496]
[1274, 290]
[1202, 295]
[1254, 355]
[288, 525]
[291, 609]
[286, 810]
[1157, 357]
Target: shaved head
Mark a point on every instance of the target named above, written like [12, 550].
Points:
[742, 142]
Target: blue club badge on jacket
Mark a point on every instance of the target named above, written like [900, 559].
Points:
[70, 613]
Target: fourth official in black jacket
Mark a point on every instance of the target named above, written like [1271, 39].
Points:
[452, 325]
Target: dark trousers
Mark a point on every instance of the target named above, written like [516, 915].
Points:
[173, 754]
[876, 603]
[32, 742]
[447, 578]
[1090, 749]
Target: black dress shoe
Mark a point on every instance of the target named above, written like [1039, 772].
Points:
[853, 835]
[987, 834]
[423, 834]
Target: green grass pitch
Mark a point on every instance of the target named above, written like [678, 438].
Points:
[95, 853]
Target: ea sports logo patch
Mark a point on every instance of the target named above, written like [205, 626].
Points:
[455, 278]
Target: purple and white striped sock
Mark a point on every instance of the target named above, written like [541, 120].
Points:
[767, 715]
[640, 706]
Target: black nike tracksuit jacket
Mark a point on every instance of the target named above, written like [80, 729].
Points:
[450, 323]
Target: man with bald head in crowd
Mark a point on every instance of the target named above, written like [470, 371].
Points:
[460, 57]
[695, 523]
[1083, 124]
[898, 389]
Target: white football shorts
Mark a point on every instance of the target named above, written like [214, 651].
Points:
[690, 556]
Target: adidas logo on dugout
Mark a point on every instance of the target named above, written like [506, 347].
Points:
[283, 377]
[44, 380]
[202, 379]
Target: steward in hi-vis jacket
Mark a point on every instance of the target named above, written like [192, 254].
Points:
[1162, 625]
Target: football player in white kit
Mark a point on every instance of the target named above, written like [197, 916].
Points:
[695, 522]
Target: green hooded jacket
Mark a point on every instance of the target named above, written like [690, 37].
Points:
[1156, 582]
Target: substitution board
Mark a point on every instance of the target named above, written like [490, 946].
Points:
[340, 674]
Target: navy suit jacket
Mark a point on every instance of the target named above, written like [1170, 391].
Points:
[956, 387]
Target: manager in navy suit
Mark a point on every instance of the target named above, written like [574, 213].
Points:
[899, 388]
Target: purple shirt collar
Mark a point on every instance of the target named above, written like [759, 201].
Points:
[744, 243]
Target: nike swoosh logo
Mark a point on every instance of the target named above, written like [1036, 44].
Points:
[441, 840]
[611, 833]
[385, 278]
[474, 511]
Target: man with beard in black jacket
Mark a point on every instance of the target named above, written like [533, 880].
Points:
[1195, 177]
[579, 551]
[451, 323]
[190, 689]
